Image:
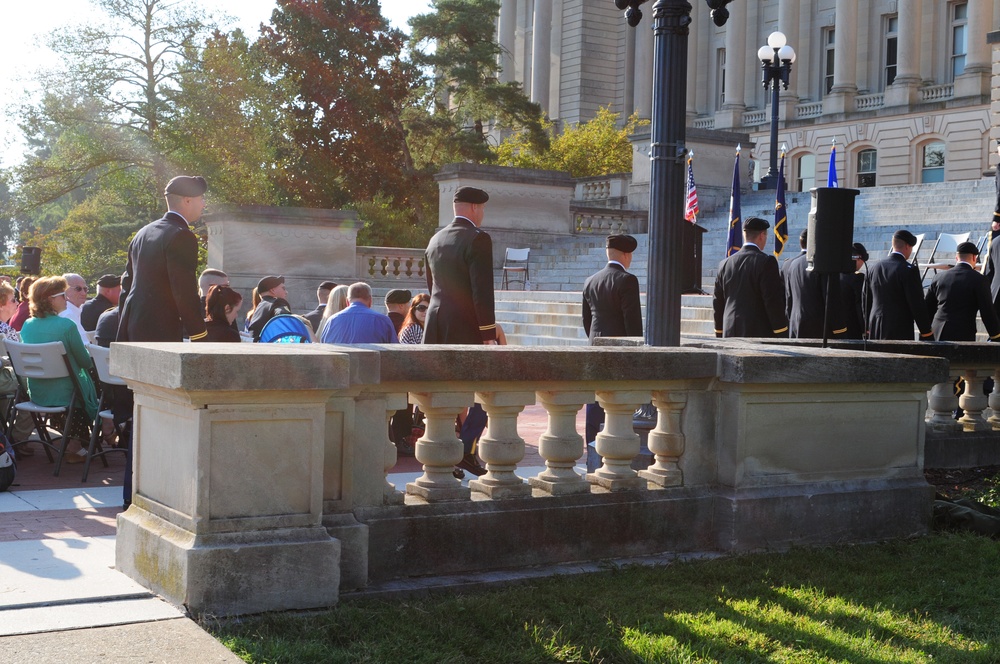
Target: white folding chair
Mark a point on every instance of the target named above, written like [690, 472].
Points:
[942, 256]
[41, 361]
[515, 267]
[102, 362]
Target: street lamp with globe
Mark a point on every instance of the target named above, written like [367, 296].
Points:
[776, 60]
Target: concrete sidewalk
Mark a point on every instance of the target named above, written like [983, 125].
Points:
[61, 599]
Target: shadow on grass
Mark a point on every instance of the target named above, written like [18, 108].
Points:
[933, 599]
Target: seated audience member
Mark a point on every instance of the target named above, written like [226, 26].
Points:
[315, 317]
[335, 303]
[24, 307]
[397, 305]
[76, 296]
[109, 290]
[359, 323]
[107, 327]
[412, 329]
[254, 303]
[48, 299]
[273, 302]
[8, 381]
[222, 306]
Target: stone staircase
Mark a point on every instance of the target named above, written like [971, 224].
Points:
[550, 312]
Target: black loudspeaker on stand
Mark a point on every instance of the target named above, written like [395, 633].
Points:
[31, 260]
[831, 236]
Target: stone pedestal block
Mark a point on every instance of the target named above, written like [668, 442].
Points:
[229, 573]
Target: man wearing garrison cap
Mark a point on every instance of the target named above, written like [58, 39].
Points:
[957, 295]
[159, 297]
[897, 294]
[459, 260]
[611, 307]
[852, 295]
[749, 297]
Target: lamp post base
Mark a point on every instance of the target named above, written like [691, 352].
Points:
[769, 181]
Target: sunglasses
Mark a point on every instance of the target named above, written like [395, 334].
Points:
[78, 288]
[62, 294]
[421, 307]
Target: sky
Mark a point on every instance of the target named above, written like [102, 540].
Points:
[27, 23]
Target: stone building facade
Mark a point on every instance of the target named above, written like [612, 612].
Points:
[902, 86]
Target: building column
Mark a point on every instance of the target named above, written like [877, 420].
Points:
[904, 88]
[731, 114]
[975, 81]
[698, 72]
[506, 33]
[629, 82]
[788, 24]
[643, 94]
[541, 45]
[845, 59]
[555, 61]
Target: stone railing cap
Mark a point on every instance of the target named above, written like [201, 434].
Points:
[406, 363]
[232, 367]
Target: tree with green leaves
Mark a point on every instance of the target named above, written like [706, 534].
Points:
[341, 62]
[600, 146]
[462, 97]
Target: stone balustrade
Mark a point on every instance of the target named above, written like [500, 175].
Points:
[809, 110]
[376, 264]
[937, 92]
[602, 221]
[261, 471]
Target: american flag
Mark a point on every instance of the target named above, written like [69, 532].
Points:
[690, 194]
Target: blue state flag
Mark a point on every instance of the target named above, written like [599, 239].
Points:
[831, 179]
[735, 240]
[780, 215]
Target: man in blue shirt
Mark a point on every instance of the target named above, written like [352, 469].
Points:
[359, 323]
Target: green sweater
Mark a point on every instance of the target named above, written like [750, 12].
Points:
[57, 391]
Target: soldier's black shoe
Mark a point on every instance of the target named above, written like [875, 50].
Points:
[470, 463]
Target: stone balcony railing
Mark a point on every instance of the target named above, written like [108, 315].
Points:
[937, 92]
[260, 470]
[601, 221]
[390, 264]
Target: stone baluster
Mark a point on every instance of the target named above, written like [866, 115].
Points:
[439, 449]
[561, 445]
[500, 447]
[618, 444]
[973, 402]
[390, 496]
[942, 402]
[994, 401]
[666, 441]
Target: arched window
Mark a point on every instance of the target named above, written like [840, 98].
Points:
[867, 162]
[932, 162]
[805, 166]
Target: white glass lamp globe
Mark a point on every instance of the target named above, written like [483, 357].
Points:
[776, 39]
[766, 54]
[786, 52]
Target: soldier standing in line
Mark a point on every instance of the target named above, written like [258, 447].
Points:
[806, 297]
[957, 295]
[852, 295]
[897, 296]
[749, 297]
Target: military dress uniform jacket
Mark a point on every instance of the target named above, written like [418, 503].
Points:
[852, 297]
[611, 306]
[92, 310]
[459, 264]
[897, 300]
[953, 301]
[159, 299]
[268, 308]
[805, 302]
[749, 297]
[992, 273]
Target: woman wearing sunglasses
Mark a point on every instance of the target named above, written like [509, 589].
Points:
[412, 331]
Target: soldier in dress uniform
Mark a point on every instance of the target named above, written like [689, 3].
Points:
[611, 307]
[897, 294]
[805, 299]
[852, 295]
[749, 297]
[159, 298]
[957, 295]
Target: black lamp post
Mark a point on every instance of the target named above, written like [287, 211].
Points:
[667, 157]
[776, 60]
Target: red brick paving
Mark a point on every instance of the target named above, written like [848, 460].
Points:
[58, 524]
[35, 472]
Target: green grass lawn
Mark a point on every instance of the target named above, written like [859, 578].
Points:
[929, 600]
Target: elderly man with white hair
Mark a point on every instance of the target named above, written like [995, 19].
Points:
[76, 295]
[359, 323]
